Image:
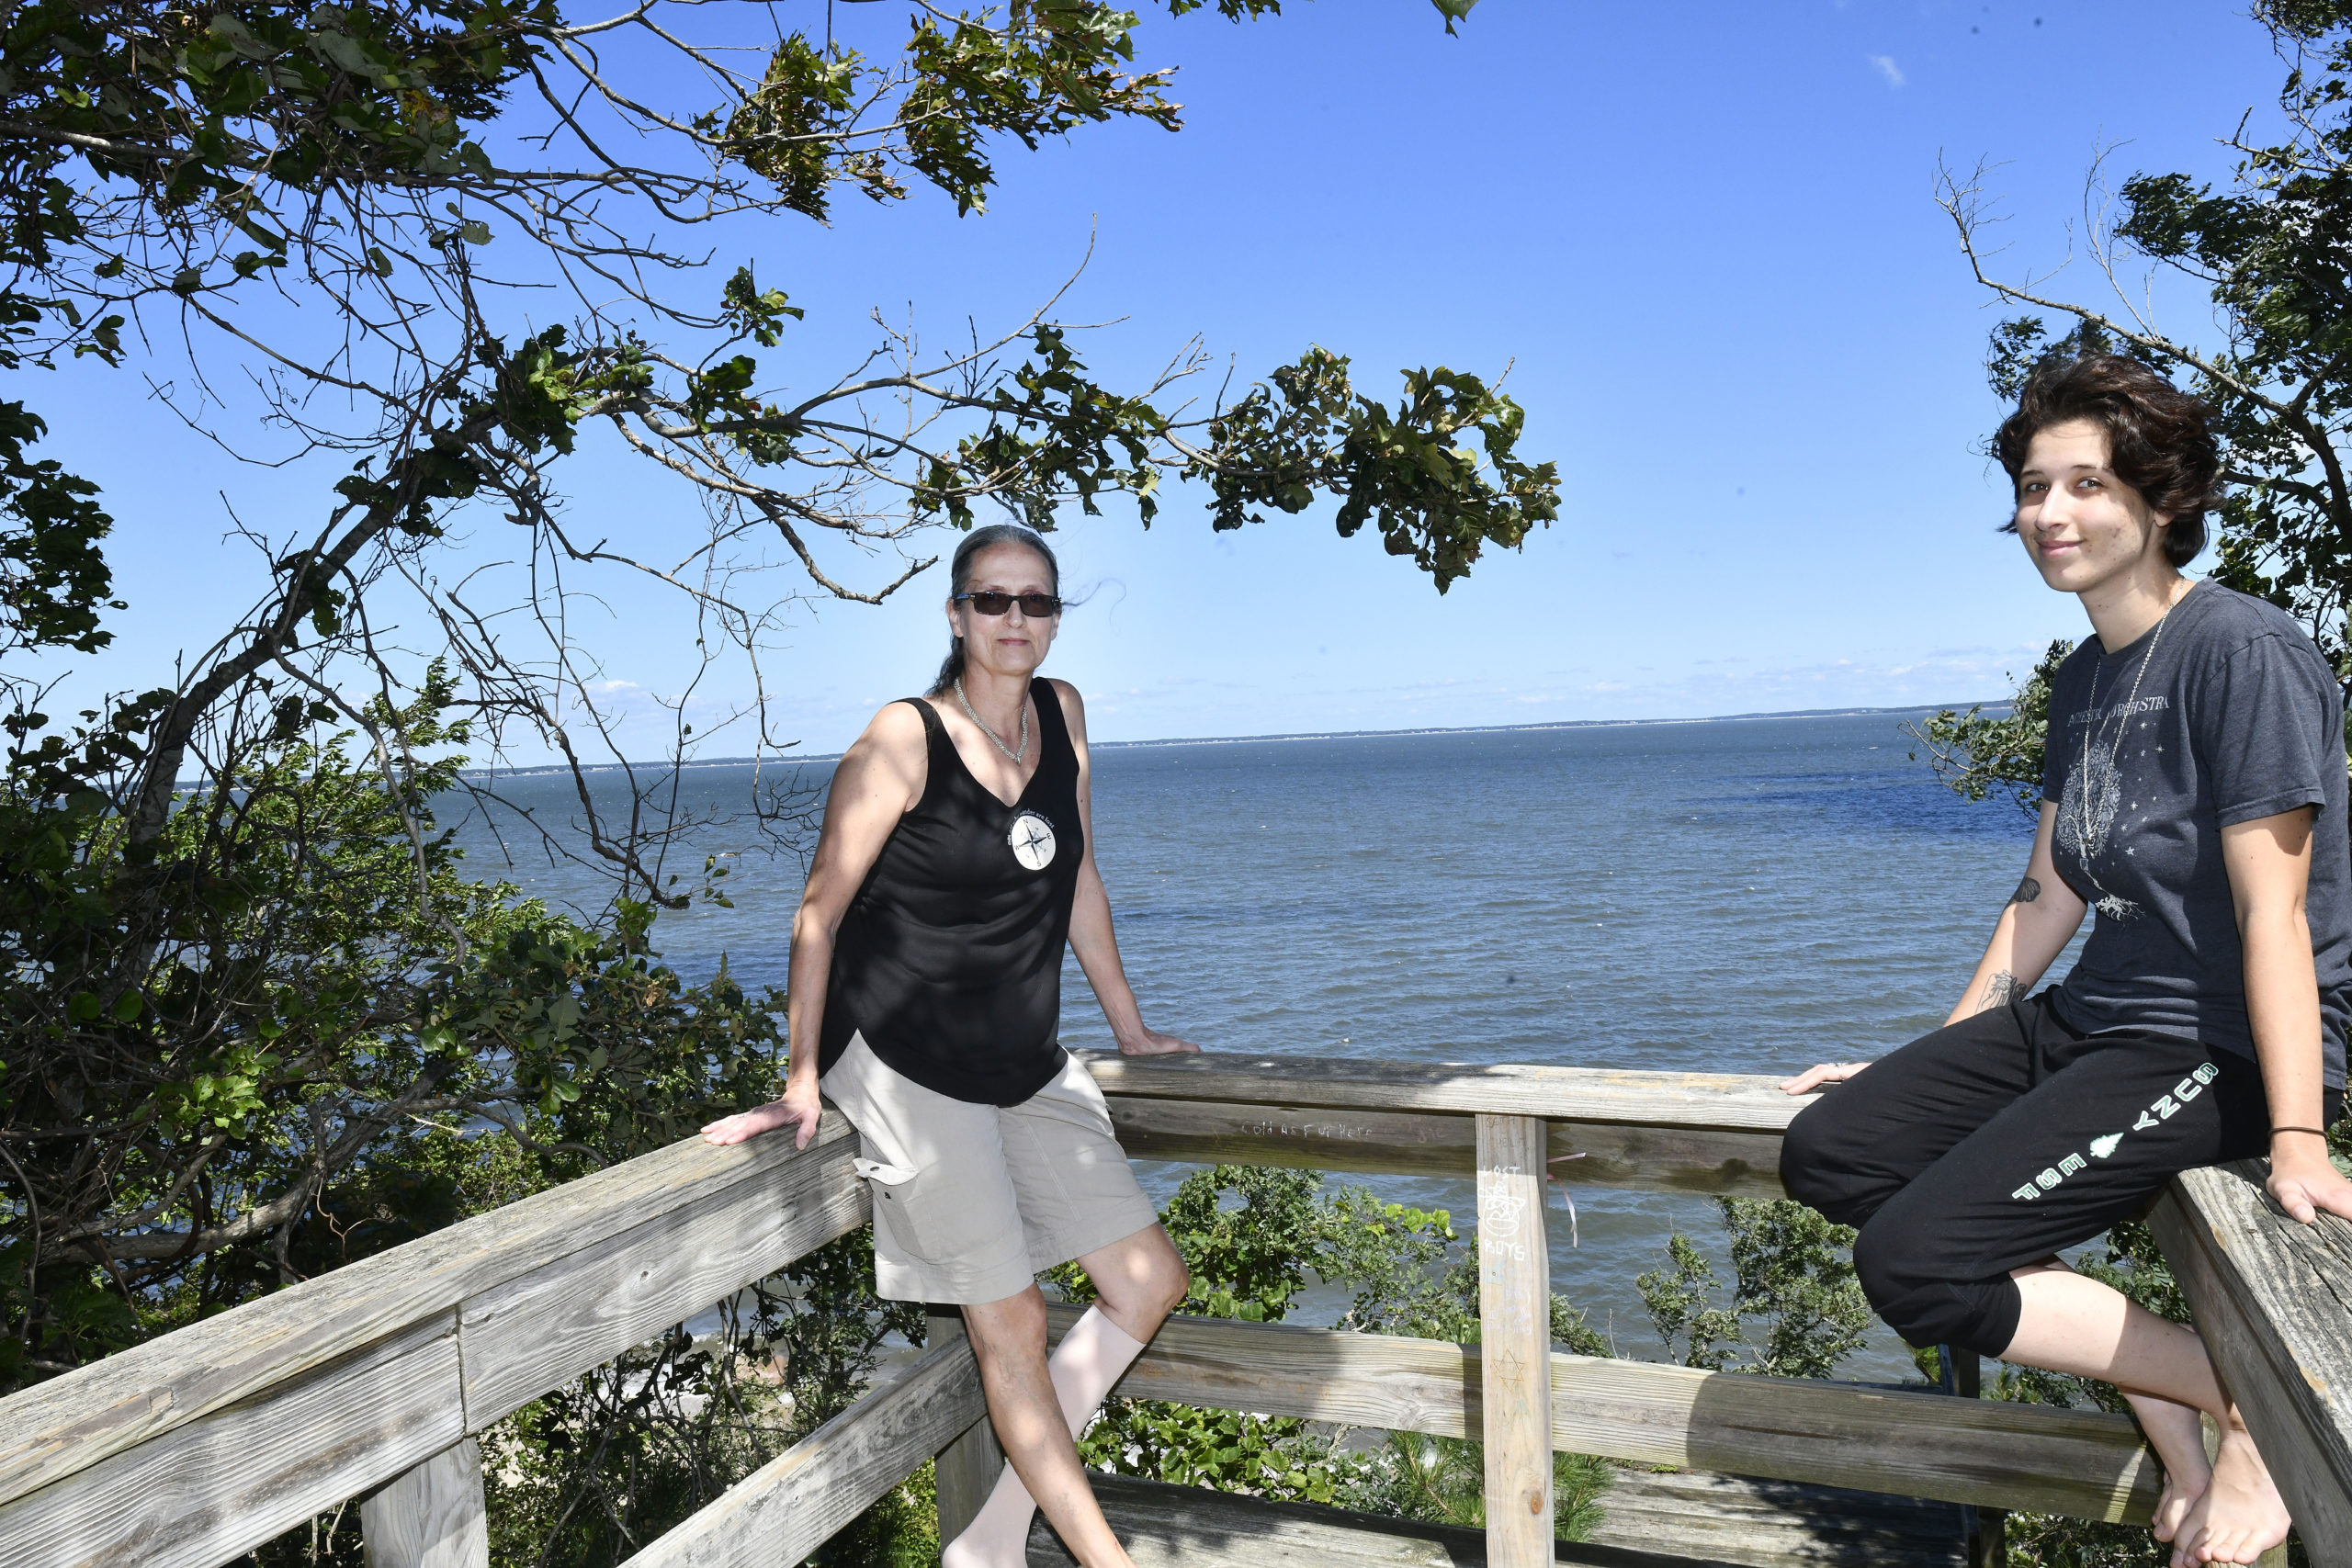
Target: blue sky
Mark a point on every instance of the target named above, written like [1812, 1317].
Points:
[1702, 236]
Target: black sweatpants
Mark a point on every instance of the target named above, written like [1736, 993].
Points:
[1999, 1140]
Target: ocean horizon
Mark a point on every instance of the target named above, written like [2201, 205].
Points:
[1997, 704]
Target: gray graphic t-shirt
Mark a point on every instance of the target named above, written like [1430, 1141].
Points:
[2224, 712]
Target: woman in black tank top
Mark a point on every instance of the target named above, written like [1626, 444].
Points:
[949, 960]
[954, 863]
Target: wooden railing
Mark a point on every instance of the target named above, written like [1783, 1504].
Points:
[2274, 1301]
[373, 1381]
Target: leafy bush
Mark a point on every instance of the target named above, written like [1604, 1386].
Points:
[221, 1049]
[1793, 1273]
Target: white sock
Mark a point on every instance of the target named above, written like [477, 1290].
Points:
[1090, 1357]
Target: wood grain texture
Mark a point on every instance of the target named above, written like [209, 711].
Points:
[1186, 1527]
[546, 1327]
[1515, 1340]
[968, 1466]
[1989, 1452]
[2273, 1300]
[1667, 1159]
[1987, 1530]
[1733, 1103]
[73, 1422]
[236, 1477]
[1355, 1379]
[780, 1513]
[434, 1516]
[1650, 1159]
[1776, 1524]
[1208, 1131]
[1993, 1453]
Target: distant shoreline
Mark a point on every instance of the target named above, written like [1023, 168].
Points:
[1527, 729]
[794, 759]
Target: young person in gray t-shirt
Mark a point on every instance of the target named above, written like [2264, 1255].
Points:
[2193, 800]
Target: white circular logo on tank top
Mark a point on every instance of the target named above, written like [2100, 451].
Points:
[1032, 837]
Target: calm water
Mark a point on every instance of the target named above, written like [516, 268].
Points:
[1737, 896]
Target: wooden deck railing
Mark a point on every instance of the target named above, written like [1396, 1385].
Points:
[2274, 1301]
[372, 1382]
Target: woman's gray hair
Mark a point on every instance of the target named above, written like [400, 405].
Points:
[959, 577]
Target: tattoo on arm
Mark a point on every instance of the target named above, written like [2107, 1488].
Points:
[2028, 891]
[1998, 992]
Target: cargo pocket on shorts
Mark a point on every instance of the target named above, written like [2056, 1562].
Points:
[892, 1186]
[1075, 1086]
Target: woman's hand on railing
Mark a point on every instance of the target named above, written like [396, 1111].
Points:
[2303, 1181]
[1149, 1042]
[1814, 1077]
[800, 1105]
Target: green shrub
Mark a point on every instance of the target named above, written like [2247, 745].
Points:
[1793, 1276]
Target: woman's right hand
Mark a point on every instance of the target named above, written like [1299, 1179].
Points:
[800, 1105]
[1814, 1077]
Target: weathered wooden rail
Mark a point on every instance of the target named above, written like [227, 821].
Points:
[373, 1381]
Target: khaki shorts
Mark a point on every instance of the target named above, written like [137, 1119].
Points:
[970, 1202]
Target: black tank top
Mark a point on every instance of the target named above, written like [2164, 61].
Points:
[949, 960]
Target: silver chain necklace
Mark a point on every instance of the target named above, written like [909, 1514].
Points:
[1015, 753]
[2122, 728]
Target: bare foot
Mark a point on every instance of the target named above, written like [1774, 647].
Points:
[2241, 1515]
[998, 1536]
[2173, 1505]
[2176, 1433]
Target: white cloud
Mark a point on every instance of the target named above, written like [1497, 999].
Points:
[1888, 69]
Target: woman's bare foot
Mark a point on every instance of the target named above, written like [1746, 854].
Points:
[2177, 1434]
[2174, 1503]
[2241, 1515]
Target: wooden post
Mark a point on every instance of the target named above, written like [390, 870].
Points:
[967, 1469]
[1515, 1334]
[433, 1517]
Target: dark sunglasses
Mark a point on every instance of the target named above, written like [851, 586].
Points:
[1037, 606]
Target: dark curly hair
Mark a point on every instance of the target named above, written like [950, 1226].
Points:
[2159, 438]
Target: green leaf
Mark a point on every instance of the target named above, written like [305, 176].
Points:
[1454, 11]
[239, 37]
[344, 53]
[127, 1006]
